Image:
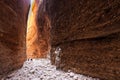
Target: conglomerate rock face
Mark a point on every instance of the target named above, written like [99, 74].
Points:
[38, 32]
[86, 34]
[13, 20]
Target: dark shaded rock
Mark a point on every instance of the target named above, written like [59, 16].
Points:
[98, 57]
[72, 20]
[13, 20]
[88, 33]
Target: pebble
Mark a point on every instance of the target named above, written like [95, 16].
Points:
[75, 77]
[71, 74]
[41, 69]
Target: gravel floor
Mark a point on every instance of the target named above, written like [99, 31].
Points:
[41, 69]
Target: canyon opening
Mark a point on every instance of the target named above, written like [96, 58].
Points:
[37, 40]
[59, 39]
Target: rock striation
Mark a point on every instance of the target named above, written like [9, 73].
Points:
[13, 20]
[88, 34]
[38, 44]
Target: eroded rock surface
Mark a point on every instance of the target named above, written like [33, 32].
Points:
[13, 20]
[88, 33]
[38, 35]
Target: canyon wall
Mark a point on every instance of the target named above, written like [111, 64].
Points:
[38, 45]
[13, 20]
[32, 32]
[87, 33]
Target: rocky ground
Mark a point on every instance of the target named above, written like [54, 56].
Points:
[41, 69]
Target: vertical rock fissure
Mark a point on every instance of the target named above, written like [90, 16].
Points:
[37, 35]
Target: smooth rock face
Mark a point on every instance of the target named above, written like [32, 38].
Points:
[13, 20]
[38, 33]
[88, 33]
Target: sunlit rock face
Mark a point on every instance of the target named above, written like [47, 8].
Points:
[32, 32]
[38, 32]
[88, 35]
[13, 20]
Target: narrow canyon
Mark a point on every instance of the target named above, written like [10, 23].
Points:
[82, 36]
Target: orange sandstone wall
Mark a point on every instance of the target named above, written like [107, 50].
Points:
[32, 32]
[37, 35]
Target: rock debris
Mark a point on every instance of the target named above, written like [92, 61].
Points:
[41, 69]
